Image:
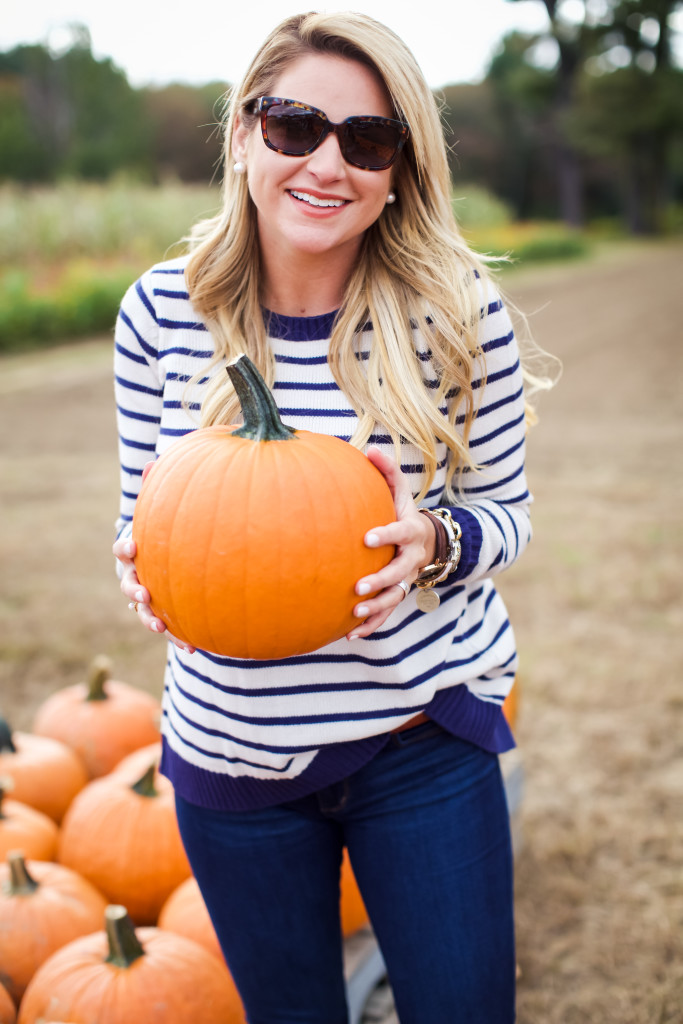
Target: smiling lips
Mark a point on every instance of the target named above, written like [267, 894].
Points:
[307, 197]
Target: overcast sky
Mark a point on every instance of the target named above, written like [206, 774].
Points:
[158, 41]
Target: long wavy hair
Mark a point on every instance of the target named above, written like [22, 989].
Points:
[414, 266]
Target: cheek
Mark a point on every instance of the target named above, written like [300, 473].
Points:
[376, 193]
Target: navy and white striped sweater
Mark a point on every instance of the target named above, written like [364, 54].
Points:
[242, 733]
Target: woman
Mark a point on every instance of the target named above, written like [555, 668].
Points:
[336, 265]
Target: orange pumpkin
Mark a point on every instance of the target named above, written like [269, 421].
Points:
[353, 912]
[124, 839]
[8, 1013]
[42, 907]
[133, 765]
[103, 719]
[23, 827]
[511, 704]
[120, 975]
[250, 539]
[185, 913]
[47, 774]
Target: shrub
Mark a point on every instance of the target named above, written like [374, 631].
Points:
[83, 300]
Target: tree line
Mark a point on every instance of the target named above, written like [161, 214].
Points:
[582, 122]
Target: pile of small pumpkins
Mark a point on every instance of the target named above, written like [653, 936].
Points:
[100, 917]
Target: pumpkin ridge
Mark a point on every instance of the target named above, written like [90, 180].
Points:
[305, 458]
[173, 518]
[254, 598]
[214, 612]
[348, 491]
[155, 505]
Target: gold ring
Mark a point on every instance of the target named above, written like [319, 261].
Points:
[133, 605]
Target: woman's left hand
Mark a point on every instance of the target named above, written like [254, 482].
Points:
[415, 542]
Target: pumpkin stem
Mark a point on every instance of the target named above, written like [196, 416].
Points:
[6, 786]
[124, 945]
[260, 413]
[100, 673]
[6, 741]
[20, 881]
[145, 784]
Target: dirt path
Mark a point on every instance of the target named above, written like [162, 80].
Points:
[596, 602]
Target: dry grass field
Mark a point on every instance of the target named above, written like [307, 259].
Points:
[596, 602]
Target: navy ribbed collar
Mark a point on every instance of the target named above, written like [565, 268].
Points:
[299, 328]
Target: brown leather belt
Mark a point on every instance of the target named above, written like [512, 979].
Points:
[416, 720]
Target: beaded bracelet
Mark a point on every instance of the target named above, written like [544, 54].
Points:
[427, 598]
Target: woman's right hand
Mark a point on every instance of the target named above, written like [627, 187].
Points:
[138, 596]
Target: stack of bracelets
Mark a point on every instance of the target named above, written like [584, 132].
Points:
[446, 557]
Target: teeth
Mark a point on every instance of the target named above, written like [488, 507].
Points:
[314, 201]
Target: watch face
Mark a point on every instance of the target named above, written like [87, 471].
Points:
[427, 600]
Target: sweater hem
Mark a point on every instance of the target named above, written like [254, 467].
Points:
[456, 710]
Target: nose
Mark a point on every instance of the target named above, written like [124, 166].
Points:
[326, 162]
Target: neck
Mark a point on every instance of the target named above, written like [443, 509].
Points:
[305, 284]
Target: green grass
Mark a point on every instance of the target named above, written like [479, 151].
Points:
[84, 300]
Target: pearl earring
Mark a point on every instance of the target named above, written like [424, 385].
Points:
[239, 167]
[391, 198]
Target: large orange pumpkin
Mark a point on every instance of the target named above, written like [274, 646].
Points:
[511, 704]
[133, 765]
[353, 912]
[125, 840]
[47, 774]
[42, 907]
[24, 828]
[121, 976]
[8, 1014]
[102, 719]
[185, 913]
[250, 539]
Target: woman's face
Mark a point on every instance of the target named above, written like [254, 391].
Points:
[284, 189]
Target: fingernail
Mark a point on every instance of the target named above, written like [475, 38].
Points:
[363, 588]
[371, 540]
[128, 548]
[155, 626]
[354, 636]
[361, 611]
[140, 595]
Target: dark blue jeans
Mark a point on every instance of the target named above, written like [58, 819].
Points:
[427, 831]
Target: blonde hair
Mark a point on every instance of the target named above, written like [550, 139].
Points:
[414, 267]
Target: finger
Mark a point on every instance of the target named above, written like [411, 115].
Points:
[394, 476]
[145, 470]
[403, 567]
[369, 625]
[148, 618]
[400, 533]
[159, 626]
[133, 589]
[125, 549]
[188, 648]
[386, 600]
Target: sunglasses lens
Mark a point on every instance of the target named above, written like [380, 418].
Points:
[372, 145]
[367, 143]
[292, 130]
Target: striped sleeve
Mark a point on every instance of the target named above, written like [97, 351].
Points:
[139, 392]
[494, 508]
